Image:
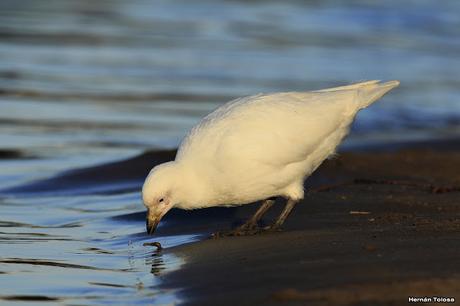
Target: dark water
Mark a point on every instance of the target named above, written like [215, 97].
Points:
[83, 83]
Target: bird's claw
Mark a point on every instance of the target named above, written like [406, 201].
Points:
[272, 228]
[246, 231]
[236, 232]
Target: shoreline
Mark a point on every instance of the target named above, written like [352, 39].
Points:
[379, 223]
[351, 244]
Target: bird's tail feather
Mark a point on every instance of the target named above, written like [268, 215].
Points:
[350, 86]
[371, 91]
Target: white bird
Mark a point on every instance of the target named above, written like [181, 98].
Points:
[257, 148]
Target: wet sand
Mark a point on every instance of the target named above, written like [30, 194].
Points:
[378, 224]
[375, 228]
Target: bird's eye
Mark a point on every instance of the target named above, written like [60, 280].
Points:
[161, 200]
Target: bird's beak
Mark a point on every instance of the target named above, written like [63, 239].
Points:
[153, 219]
[151, 225]
[151, 222]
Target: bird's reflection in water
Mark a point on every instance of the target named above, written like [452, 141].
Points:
[162, 262]
[156, 262]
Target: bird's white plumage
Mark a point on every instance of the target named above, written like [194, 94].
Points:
[260, 146]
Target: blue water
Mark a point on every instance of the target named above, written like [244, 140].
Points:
[87, 82]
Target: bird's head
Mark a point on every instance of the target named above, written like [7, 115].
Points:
[158, 193]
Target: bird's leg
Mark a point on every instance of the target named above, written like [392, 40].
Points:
[252, 222]
[284, 214]
[250, 227]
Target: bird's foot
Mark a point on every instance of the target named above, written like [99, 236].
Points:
[233, 233]
[243, 230]
[272, 228]
[246, 231]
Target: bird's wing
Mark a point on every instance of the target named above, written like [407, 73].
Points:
[273, 129]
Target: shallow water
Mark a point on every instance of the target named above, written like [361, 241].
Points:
[83, 83]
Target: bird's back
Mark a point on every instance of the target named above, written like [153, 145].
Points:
[272, 138]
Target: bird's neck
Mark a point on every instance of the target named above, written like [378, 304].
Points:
[194, 190]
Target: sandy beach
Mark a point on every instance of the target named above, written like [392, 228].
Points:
[376, 228]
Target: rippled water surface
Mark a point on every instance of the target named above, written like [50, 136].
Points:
[86, 83]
